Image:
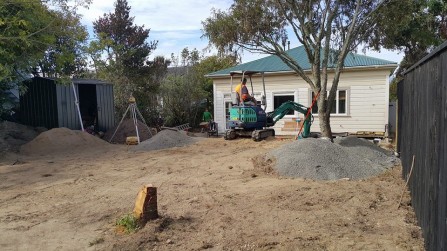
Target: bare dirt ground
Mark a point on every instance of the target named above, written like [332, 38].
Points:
[211, 195]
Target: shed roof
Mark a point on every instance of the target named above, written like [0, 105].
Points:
[274, 64]
[89, 81]
[82, 81]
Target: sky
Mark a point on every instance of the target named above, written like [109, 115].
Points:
[177, 24]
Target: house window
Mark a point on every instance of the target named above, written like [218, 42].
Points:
[279, 99]
[338, 106]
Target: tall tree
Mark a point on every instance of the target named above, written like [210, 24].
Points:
[28, 31]
[328, 30]
[24, 36]
[412, 27]
[66, 57]
[186, 92]
[211, 64]
[127, 51]
[181, 91]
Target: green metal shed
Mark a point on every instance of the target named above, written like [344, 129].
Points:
[52, 105]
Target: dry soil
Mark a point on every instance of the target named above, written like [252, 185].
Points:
[213, 194]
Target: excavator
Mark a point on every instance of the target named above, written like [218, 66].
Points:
[250, 119]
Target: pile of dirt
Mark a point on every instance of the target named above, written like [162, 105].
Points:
[13, 135]
[62, 140]
[319, 159]
[166, 139]
[127, 129]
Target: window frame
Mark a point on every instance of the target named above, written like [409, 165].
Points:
[337, 100]
[285, 93]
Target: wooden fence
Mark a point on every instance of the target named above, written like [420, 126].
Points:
[422, 132]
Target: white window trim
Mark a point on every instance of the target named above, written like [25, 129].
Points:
[225, 100]
[348, 103]
[285, 93]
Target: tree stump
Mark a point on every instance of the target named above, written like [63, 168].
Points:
[146, 204]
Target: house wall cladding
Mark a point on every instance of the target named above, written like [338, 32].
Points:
[367, 99]
[422, 132]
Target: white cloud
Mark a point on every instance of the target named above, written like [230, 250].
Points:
[168, 15]
[177, 24]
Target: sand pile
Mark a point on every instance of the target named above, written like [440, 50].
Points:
[13, 135]
[127, 129]
[320, 159]
[166, 139]
[63, 140]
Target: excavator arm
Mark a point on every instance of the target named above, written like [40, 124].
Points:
[286, 107]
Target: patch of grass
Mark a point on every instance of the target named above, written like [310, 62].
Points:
[96, 241]
[129, 223]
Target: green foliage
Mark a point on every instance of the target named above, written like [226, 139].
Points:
[66, 57]
[186, 92]
[30, 31]
[413, 27]
[129, 223]
[24, 36]
[211, 64]
[393, 88]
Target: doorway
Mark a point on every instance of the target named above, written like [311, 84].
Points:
[88, 105]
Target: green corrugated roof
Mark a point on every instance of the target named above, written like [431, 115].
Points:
[275, 64]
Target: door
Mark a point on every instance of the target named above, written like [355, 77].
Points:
[105, 107]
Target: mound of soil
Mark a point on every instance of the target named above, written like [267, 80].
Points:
[13, 135]
[319, 159]
[127, 129]
[62, 140]
[166, 139]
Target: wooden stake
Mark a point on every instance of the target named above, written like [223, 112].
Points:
[408, 179]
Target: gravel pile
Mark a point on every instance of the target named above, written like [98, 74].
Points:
[319, 159]
[166, 139]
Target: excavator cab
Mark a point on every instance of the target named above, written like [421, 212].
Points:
[246, 118]
[240, 75]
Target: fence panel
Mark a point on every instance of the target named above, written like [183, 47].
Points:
[422, 121]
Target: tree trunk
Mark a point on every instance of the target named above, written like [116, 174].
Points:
[325, 126]
[324, 120]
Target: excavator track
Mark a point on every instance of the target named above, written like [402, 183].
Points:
[230, 134]
[259, 135]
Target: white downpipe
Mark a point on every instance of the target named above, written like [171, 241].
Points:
[77, 106]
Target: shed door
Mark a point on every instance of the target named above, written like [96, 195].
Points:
[106, 108]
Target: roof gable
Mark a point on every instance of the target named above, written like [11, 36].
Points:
[273, 63]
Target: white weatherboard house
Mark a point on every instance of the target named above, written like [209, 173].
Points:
[362, 97]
